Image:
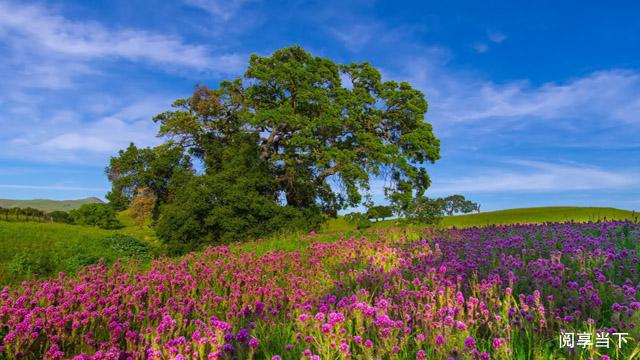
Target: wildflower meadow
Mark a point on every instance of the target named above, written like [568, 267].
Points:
[496, 292]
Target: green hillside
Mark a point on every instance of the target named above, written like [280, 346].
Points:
[534, 215]
[48, 248]
[538, 215]
[48, 205]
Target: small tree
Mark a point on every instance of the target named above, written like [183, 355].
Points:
[100, 215]
[423, 210]
[459, 204]
[60, 217]
[379, 212]
[360, 220]
[142, 205]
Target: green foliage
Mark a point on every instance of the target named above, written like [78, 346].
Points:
[60, 217]
[359, 220]
[100, 215]
[273, 146]
[379, 212]
[127, 246]
[26, 264]
[46, 248]
[156, 169]
[423, 210]
[458, 204]
[233, 201]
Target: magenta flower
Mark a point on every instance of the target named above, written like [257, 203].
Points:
[470, 343]
[368, 343]
[254, 343]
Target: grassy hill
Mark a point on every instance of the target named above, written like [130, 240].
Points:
[532, 215]
[539, 215]
[48, 248]
[49, 205]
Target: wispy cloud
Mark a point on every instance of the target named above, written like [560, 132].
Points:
[532, 176]
[39, 28]
[609, 96]
[496, 36]
[71, 137]
[222, 9]
[481, 47]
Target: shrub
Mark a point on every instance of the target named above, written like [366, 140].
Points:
[361, 221]
[100, 215]
[25, 264]
[60, 217]
[127, 246]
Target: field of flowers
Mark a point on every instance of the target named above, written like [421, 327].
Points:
[497, 292]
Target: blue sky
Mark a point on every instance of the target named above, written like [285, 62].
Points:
[535, 104]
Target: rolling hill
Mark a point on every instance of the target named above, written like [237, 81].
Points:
[533, 215]
[49, 205]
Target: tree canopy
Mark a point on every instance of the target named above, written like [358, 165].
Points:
[311, 135]
[458, 204]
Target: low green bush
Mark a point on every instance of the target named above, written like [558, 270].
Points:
[127, 246]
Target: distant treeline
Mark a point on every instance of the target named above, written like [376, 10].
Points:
[32, 214]
[100, 215]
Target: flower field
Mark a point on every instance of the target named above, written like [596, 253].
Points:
[497, 292]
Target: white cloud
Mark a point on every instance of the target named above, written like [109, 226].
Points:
[481, 47]
[66, 136]
[496, 36]
[531, 176]
[458, 98]
[36, 27]
[356, 36]
[222, 9]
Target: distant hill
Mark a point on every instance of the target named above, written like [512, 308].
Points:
[49, 205]
[534, 215]
[540, 215]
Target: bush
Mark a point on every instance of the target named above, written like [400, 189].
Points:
[379, 212]
[424, 211]
[100, 215]
[361, 221]
[27, 264]
[127, 246]
[60, 217]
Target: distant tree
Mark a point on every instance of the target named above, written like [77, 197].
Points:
[458, 204]
[379, 212]
[142, 206]
[60, 217]
[359, 220]
[100, 215]
[423, 210]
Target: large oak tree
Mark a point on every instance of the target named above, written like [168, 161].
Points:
[324, 129]
[319, 131]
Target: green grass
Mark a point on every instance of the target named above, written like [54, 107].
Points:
[534, 215]
[53, 247]
[48, 205]
[538, 215]
[48, 248]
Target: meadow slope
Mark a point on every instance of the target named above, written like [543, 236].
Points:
[534, 215]
[496, 292]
